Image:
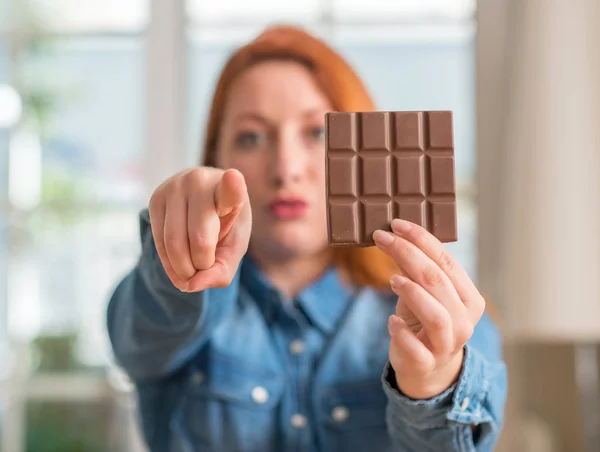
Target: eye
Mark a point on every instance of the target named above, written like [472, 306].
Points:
[248, 140]
[317, 133]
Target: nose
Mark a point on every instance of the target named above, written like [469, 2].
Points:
[288, 162]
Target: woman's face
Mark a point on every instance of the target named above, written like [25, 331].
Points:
[273, 133]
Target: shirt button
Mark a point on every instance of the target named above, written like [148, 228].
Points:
[298, 421]
[465, 404]
[197, 378]
[340, 413]
[296, 347]
[260, 395]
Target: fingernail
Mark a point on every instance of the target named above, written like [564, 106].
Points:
[397, 281]
[383, 237]
[401, 226]
[394, 324]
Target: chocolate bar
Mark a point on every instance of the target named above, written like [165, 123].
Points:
[386, 165]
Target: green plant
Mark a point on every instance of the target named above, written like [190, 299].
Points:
[60, 427]
[55, 353]
[64, 427]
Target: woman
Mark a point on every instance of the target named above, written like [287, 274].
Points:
[244, 331]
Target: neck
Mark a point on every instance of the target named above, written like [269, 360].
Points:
[291, 275]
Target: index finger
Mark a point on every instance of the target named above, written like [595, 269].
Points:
[230, 192]
[435, 250]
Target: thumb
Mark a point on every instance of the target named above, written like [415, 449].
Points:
[230, 192]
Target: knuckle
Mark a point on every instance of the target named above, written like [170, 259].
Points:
[175, 243]
[445, 261]
[403, 248]
[464, 333]
[477, 307]
[155, 200]
[163, 194]
[432, 276]
[195, 176]
[197, 172]
[480, 304]
[438, 321]
[424, 361]
[174, 184]
[202, 241]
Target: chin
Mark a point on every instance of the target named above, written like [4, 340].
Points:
[293, 239]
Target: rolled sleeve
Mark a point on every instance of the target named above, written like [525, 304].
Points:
[444, 423]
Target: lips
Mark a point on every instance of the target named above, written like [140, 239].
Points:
[288, 208]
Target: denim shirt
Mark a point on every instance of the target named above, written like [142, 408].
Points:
[243, 369]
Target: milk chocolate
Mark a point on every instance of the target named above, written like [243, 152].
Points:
[386, 165]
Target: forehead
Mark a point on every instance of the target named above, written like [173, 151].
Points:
[276, 88]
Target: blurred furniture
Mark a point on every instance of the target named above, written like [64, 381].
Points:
[21, 388]
[539, 206]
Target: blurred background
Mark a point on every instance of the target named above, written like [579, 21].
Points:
[101, 100]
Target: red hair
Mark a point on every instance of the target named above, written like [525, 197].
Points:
[346, 92]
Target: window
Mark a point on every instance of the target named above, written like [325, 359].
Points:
[5, 15]
[92, 15]
[90, 141]
[74, 185]
[4, 61]
[207, 13]
[398, 11]
[4, 139]
[402, 11]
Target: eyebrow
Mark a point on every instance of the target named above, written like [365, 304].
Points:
[262, 119]
[251, 116]
[313, 112]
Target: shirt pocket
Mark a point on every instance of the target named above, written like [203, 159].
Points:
[229, 408]
[354, 417]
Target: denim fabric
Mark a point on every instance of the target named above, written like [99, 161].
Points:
[243, 369]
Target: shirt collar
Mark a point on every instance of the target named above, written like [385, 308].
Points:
[323, 302]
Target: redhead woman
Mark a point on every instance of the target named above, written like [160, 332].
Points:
[244, 331]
